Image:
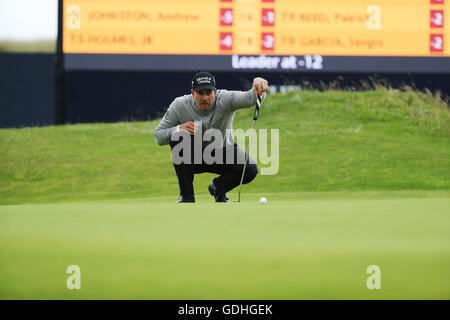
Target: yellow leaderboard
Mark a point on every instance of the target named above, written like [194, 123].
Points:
[254, 27]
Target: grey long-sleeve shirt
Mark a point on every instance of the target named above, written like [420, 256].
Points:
[219, 116]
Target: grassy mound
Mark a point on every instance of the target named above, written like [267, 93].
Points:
[382, 140]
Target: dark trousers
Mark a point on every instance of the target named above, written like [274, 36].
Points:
[229, 173]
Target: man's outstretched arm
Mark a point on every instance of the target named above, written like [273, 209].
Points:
[164, 129]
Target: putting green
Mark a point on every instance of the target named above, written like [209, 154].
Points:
[298, 246]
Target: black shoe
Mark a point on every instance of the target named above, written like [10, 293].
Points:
[186, 199]
[220, 197]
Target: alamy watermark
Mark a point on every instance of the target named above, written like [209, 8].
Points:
[74, 280]
[211, 147]
[374, 280]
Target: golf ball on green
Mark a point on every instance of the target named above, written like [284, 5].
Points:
[263, 200]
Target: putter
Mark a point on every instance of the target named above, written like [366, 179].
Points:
[255, 117]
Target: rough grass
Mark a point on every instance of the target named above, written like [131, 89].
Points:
[329, 141]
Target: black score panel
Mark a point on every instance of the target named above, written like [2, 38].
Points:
[260, 63]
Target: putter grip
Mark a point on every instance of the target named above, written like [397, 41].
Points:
[258, 105]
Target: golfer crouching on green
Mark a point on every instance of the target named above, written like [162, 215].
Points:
[187, 125]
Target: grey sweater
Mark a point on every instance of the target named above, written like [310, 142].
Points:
[219, 116]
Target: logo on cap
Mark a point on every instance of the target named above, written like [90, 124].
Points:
[203, 80]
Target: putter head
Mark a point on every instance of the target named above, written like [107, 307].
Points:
[239, 196]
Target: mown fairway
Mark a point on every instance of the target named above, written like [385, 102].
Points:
[364, 179]
[288, 249]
